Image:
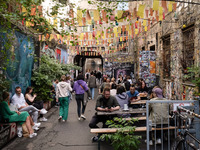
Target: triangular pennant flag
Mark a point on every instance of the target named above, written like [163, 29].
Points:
[140, 12]
[160, 13]
[96, 15]
[119, 15]
[170, 7]
[33, 9]
[155, 4]
[79, 17]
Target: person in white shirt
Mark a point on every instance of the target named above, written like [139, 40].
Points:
[62, 95]
[20, 102]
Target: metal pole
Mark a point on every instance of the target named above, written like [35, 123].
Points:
[147, 123]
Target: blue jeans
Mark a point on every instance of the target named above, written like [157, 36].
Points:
[92, 92]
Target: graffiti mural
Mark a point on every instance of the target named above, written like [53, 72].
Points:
[148, 67]
[20, 65]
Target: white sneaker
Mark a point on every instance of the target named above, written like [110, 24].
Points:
[33, 135]
[158, 141]
[79, 118]
[35, 128]
[37, 124]
[82, 116]
[43, 119]
[59, 118]
[63, 120]
[43, 111]
[150, 142]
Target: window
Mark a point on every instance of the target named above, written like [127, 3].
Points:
[143, 48]
[188, 47]
[152, 48]
[166, 56]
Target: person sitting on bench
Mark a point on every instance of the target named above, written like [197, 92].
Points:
[159, 113]
[107, 103]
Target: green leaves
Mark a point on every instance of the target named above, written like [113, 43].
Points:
[124, 138]
[49, 70]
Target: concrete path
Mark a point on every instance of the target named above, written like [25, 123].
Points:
[54, 135]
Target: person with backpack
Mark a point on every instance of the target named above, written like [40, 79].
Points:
[80, 87]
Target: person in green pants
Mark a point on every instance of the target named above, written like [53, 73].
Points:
[62, 95]
[16, 116]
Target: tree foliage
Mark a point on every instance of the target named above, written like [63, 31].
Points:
[49, 70]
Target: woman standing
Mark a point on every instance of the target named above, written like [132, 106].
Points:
[62, 95]
[80, 87]
[31, 101]
[92, 84]
[16, 116]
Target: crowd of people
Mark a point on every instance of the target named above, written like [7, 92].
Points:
[113, 95]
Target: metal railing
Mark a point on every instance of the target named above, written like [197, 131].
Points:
[170, 136]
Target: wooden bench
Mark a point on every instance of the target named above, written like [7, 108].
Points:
[139, 118]
[137, 129]
[100, 131]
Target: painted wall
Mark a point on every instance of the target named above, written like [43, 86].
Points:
[19, 68]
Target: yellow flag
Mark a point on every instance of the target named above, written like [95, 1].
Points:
[170, 6]
[140, 12]
[155, 4]
[55, 21]
[97, 42]
[119, 29]
[160, 13]
[96, 15]
[98, 34]
[28, 24]
[82, 36]
[115, 31]
[24, 11]
[130, 33]
[136, 31]
[79, 17]
[51, 37]
[90, 36]
[109, 40]
[119, 15]
[144, 22]
[128, 27]
[145, 28]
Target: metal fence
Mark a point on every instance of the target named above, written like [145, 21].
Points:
[167, 131]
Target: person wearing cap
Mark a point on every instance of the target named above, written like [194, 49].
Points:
[159, 112]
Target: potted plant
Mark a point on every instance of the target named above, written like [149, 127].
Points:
[124, 138]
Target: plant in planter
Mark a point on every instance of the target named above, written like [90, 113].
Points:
[124, 138]
[194, 75]
[43, 76]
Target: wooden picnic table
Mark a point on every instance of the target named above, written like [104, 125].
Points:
[139, 102]
[118, 112]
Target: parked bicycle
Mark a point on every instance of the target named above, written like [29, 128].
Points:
[184, 123]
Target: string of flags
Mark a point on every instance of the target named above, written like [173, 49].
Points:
[116, 38]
